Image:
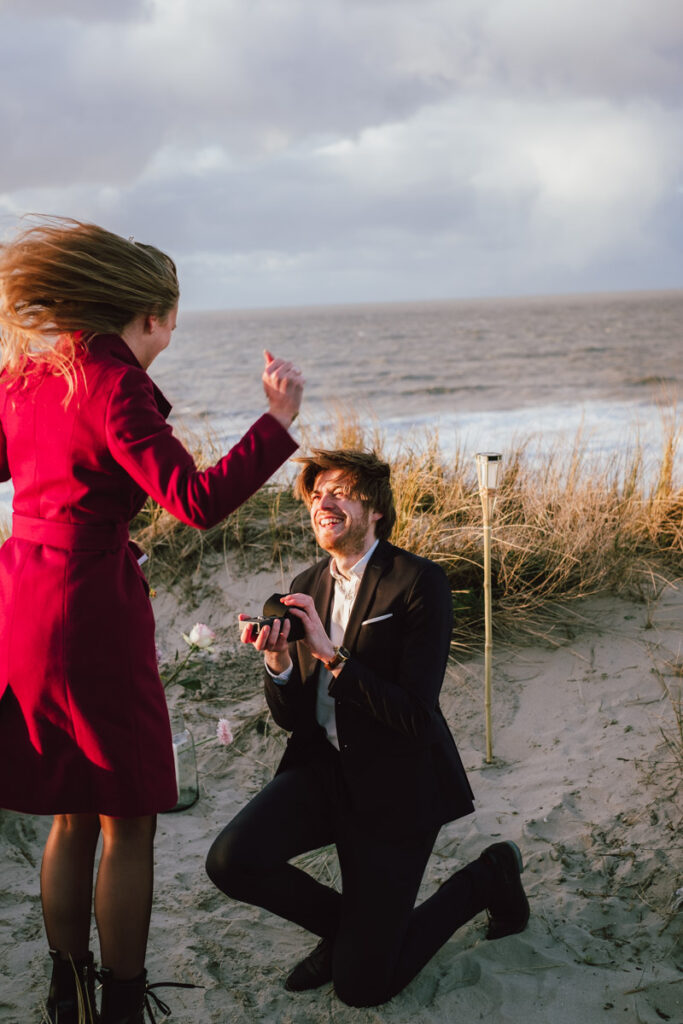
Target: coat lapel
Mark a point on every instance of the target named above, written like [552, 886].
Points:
[163, 404]
[321, 592]
[366, 592]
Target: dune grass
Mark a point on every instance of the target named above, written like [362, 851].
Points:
[563, 528]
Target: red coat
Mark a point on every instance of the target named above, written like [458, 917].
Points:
[83, 719]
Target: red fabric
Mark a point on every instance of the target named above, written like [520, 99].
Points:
[83, 719]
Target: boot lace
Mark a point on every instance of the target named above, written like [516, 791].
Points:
[162, 1006]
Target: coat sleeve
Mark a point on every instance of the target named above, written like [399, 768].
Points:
[292, 705]
[406, 697]
[286, 702]
[142, 442]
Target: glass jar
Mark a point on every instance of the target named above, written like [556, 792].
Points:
[185, 764]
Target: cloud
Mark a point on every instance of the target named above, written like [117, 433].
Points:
[306, 148]
[616, 49]
[79, 10]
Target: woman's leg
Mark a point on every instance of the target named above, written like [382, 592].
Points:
[66, 879]
[123, 893]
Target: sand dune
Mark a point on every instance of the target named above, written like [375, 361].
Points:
[582, 780]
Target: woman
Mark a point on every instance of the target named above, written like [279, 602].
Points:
[84, 730]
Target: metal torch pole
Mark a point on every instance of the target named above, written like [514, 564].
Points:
[488, 465]
[488, 631]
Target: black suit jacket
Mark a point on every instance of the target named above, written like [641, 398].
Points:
[400, 767]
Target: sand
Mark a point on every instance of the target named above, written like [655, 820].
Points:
[582, 780]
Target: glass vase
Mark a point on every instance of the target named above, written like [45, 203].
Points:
[185, 764]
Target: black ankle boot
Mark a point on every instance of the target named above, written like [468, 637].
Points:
[72, 991]
[125, 1002]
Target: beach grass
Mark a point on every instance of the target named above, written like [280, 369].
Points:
[564, 527]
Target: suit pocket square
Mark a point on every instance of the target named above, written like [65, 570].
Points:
[379, 618]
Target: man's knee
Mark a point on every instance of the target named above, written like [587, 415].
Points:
[231, 861]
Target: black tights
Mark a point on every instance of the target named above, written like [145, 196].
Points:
[123, 893]
[381, 940]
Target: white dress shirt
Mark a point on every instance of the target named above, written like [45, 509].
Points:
[345, 591]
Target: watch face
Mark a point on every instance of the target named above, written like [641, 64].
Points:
[341, 655]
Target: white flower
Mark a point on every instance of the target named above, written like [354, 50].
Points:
[200, 636]
[224, 732]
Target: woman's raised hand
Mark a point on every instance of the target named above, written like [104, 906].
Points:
[284, 387]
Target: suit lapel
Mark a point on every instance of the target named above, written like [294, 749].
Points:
[321, 591]
[374, 571]
[322, 594]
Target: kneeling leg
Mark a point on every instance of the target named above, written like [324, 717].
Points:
[249, 859]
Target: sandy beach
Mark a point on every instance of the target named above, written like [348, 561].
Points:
[582, 780]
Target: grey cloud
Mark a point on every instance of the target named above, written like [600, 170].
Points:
[295, 228]
[80, 10]
[294, 148]
[92, 102]
[617, 48]
[65, 120]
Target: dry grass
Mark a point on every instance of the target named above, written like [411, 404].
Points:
[562, 530]
[673, 734]
[266, 529]
[673, 737]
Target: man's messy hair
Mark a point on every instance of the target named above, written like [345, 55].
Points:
[369, 478]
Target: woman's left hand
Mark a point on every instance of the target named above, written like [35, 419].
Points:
[284, 388]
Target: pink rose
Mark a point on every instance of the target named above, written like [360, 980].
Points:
[224, 732]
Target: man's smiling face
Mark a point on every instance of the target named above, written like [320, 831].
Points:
[342, 524]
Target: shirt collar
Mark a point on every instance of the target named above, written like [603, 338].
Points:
[356, 570]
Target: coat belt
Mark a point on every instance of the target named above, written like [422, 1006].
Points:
[70, 536]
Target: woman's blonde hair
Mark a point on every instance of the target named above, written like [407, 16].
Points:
[63, 281]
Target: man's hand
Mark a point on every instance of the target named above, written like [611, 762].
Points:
[272, 641]
[315, 636]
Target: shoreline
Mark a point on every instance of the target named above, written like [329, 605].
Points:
[610, 424]
[605, 429]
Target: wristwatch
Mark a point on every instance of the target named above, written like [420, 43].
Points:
[340, 656]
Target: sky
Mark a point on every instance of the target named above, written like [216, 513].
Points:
[299, 152]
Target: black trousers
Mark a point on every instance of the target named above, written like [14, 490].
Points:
[381, 939]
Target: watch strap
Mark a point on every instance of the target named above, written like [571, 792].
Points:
[340, 656]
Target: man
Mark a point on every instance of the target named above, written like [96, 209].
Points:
[370, 765]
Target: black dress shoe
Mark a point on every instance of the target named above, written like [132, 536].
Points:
[313, 971]
[509, 908]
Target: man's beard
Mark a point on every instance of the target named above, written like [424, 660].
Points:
[353, 540]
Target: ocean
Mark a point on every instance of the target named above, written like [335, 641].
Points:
[482, 374]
